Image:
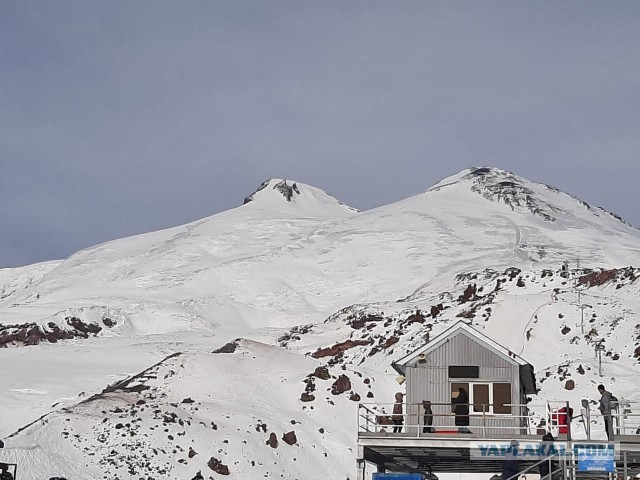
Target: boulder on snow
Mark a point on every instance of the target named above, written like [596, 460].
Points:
[322, 373]
[290, 438]
[217, 466]
[341, 385]
[273, 440]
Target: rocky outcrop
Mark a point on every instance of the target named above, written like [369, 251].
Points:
[249, 198]
[416, 317]
[338, 348]
[32, 334]
[287, 190]
[595, 279]
[228, 348]
[468, 294]
[361, 322]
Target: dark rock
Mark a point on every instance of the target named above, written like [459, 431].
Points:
[338, 348]
[262, 186]
[322, 373]
[341, 385]
[273, 440]
[598, 278]
[307, 397]
[108, 322]
[83, 327]
[286, 190]
[290, 438]
[569, 385]
[468, 293]
[355, 397]
[188, 400]
[228, 348]
[390, 341]
[416, 317]
[361, 322]
[217, 466]
[311, 385]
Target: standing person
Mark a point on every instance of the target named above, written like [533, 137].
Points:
[460, 408]
[428, 417]
[548, 450]
[510, 464]
[397, 417]
[607, 403]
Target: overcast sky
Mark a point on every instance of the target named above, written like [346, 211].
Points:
[118, 118]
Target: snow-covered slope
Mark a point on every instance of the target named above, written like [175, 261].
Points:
[267, 261]
[313, 283]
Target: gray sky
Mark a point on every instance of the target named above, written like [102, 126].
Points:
[124, 117]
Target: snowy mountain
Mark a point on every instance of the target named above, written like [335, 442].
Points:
[325, 298]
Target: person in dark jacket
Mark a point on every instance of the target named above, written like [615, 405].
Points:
[510, 464]
[397, 415]
[608, 403]
[428, 417]
[547, 450]
[460, 408]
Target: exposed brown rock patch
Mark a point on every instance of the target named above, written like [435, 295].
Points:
[341, 385]
[338, 348]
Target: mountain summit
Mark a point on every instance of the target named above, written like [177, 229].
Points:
[278, 192]
[501, 186]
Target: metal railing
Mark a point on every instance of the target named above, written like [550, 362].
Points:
[481, 422]
[553, 417]
[559, 473]
[624, 421]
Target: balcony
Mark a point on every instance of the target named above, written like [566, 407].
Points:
[376, 420]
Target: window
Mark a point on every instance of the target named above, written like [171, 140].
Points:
[481, 401]
[501, 395]
[489, 397]
[464, 371]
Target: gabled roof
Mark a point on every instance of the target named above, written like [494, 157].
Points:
[453, 329]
